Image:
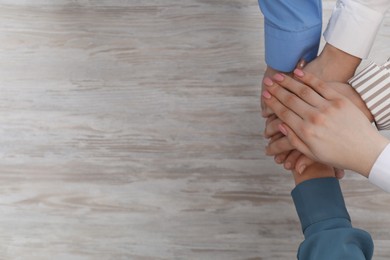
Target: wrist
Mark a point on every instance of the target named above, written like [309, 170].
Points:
[336, 64]
[373, 151]
[314, 171]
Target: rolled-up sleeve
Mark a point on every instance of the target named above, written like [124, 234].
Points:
[292, 31]
[354, 24]
[326, 223]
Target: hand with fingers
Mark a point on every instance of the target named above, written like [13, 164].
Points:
[287, 155]
[284, 153]
[322, 123]
[331, 65]
[280, 147]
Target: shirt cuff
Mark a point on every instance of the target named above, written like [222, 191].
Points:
[373, 85]
[352, 27]
[318, 200]
[380, 173]
[283, 49]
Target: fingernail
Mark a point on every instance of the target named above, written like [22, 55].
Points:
[278, 160]
[282, 129]
[302, 169]
[299, 72]
[268, 82]
[279, 77]
[266, 94]
[288, 165]
[301, 64]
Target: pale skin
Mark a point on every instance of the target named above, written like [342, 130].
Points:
[280, 145]
[331, 65]
[313, 114]
[314, 171]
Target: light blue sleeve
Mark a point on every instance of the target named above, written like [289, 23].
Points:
[326, 223]
[292, 31]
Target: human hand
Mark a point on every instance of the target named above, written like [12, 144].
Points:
[334, 65]
[280, 147]
[287, 157]
[350, 93]
[284, 152]
[331, 65]
[313, 122]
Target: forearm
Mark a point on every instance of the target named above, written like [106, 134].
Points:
[292, 31]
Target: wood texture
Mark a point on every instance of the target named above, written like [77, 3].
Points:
[131, 130]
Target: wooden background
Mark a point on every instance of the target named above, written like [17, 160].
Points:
[131, 130]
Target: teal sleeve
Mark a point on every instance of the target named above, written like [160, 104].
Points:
[326, 223]
[292, 30]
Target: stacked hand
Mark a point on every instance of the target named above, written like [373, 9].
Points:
[321, 123]
[325, 67]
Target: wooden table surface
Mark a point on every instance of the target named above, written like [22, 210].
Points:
[131, 130]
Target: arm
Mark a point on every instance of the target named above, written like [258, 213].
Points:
[326, 224]
[324, 218]
[292, 31]
[337, 61]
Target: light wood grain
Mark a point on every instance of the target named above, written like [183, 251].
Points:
[131, 130]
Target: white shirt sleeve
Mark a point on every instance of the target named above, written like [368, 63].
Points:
[354, 24]
[380, 172]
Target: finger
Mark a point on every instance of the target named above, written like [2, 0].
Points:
[340, 173]
[295, 141]
[291, 159]
[280, 158]
[279, 146]
[272, 128]
[270, 118]
[275, 137]
[285, 114]
[302, 163]
[315, 83]
[265, 110]
[304, 92]
[288, 99]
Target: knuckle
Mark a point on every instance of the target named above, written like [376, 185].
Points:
[304, 93]
[321, 84]
[317, 119]
[289, 100]
[339, 103]
[284, 114]
[294, 142]
[307, 131]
